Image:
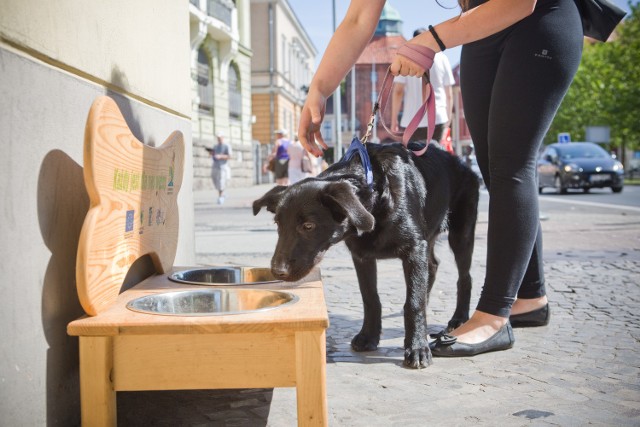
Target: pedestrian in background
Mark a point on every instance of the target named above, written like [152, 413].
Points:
[281, 156]
[408, 94]
[518, 60]
[299, 162]
[220, 172]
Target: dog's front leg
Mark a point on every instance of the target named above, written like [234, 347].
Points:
[416, 346]
[369, 336]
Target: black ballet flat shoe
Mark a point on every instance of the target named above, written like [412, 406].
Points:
[447, 345]
[539, 317]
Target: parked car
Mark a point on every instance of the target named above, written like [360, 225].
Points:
[581, 165]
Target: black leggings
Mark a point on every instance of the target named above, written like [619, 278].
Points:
[512, 85]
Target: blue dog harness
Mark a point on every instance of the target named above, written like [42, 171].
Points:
[357, 147]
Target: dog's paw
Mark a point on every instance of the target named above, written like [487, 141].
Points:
[363, 342]
[417, 358]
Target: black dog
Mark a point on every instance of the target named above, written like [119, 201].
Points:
[411, 201]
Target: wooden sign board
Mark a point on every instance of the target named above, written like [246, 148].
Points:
[133, 190]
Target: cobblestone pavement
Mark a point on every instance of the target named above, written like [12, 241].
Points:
[582, 369]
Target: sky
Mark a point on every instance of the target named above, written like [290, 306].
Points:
[316, 17]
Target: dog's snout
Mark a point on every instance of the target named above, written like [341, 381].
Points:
[281, 269]
[280, 274]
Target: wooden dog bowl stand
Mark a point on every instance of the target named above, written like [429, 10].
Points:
[123, 350]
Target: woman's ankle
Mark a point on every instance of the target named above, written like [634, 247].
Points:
[526, 305]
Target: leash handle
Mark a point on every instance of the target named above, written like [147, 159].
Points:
[422, 56]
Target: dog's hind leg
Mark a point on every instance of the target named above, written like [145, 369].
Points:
[433, 263]
[369, 336]
[462, 229]
[416, 271]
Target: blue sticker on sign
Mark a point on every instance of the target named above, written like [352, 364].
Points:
[130, 219]
[564, 138]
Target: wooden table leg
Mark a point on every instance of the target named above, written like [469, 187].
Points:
[311, 387]
[97, 396]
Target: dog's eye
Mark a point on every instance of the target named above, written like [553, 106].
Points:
[308, 226]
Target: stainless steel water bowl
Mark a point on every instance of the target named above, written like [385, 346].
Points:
[211, 302]
[224, 276]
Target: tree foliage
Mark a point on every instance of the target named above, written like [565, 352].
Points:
[606, 89]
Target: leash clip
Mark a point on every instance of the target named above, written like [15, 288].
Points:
[371, 124]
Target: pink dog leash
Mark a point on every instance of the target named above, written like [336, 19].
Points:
[422, 56]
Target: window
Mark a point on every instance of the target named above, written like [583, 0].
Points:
[235, 96]
[203, 78]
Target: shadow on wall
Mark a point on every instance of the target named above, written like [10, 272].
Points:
[119, 79]
[62, 205]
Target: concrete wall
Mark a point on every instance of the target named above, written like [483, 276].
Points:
[55, 59]
[146, 41]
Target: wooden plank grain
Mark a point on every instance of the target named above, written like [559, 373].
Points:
[133, 191]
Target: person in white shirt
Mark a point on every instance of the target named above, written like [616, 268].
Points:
[297, 154]
[408, 93]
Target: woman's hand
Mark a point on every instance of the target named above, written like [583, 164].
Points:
[310, 121]
[412, 59]
[403, 66]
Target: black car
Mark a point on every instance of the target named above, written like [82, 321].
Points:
[581, 165]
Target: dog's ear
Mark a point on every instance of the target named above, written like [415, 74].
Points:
[269, 200]
[341, 198]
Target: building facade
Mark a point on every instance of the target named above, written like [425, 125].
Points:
[281, 69]
[221, 87]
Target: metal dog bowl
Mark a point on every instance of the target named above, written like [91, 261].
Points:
[224, 276]
[211, 302]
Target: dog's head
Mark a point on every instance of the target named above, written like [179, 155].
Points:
[312, 215]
